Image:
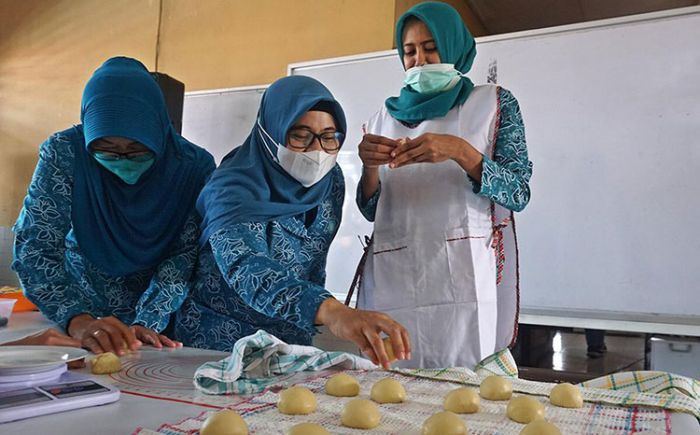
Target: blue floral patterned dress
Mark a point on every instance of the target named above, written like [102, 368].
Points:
[505, 178]
[62, 282]
[268, 275]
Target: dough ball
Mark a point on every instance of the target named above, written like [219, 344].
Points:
[360, 414]
[540, 427]
[566, 396]
[297, 400]
[225, 422]
[496, 388]
[462, 401]
[342, 385]
[524, 409]
[308, 429]
[444, 423]
[105, 363]
[389, 349]
[388, 391]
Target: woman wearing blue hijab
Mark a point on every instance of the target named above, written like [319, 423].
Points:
[270, 212]
[107, 238]
[445, 165]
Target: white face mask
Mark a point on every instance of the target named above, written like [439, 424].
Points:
[307, 168]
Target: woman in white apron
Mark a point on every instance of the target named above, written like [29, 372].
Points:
[444, 166]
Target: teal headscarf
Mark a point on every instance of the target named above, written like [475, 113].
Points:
[455, 45]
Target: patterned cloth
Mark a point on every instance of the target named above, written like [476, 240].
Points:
[256, 359]
[59, 280]
[505, 179]
[267, 276]
[604, 411]
[648, 382]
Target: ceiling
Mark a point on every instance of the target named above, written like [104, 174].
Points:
[504, 16]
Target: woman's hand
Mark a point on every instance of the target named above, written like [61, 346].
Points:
[105, 334]
[435, 148]
[153, 338]
[376, 150]
[47, 337]
[363, 328]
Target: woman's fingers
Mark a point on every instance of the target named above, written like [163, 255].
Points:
[168, 342]
[376, 139]
[128, 335]
[377, 345]
[92, 344]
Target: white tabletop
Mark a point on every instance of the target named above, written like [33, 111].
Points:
[132, 412]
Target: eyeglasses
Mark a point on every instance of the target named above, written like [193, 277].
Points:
[134, 156]
[301, 139]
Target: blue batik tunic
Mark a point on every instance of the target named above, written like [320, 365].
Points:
[262, 275]
[58, 278]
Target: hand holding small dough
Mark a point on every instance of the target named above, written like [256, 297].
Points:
[225, 422]
[105, 363]
[524, 409]
[496, 388]
[462, 401]
[444, 423]
[360, 414]
[566, 396]
[388, 391]
[342, 385]
[297, 401]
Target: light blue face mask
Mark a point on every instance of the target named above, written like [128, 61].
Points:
[432, 78]
[129, 170]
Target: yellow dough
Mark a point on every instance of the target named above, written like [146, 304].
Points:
[360, 414]
[388, 391]
[105, 363]
[296, 401]
[308, 429]
[462, 401]
[566, 396]
[342, 385]
[389, 349]
[540, 427]
[496, 388]
[524, 409]
[444, 423]
[224, 422]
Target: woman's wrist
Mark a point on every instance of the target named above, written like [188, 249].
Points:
[76, 325]
[469, 159]
[328, 310]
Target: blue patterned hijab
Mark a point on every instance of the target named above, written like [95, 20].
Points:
[249, 186]
[124, 228]
[455, 45]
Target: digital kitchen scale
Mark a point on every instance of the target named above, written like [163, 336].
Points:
[41, 387]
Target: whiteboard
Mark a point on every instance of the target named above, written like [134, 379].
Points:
[612, 115]
[221, 119]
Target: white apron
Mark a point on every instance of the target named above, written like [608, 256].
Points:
[433, 263]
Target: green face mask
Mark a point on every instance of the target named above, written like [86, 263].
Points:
[432, 78]
[128, 169]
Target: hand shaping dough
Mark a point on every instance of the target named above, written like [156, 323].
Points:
[524, 409]
[389, 349]
[308, 429]
[495, 388]
[360, 414]
[297, 400]
[444, 423]
[540, 427]
[224, 422]
[388, 391]
[566, 396]
[342, 385]
[462, 401]
[106, 363]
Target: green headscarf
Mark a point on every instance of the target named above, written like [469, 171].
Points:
[455, 45]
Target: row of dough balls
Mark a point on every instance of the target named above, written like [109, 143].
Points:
[364, 414]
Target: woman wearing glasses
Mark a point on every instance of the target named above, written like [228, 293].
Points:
[444, 165]
[271, 211]
[107, 239]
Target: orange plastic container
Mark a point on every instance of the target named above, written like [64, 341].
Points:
[22, 304]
